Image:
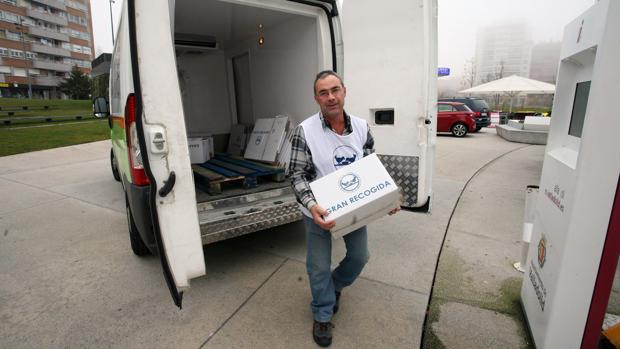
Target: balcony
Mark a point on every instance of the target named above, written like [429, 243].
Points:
[54, 51]
[54, 3]
[51, 66]
[43, 33]
[47, 80]
[48, 17]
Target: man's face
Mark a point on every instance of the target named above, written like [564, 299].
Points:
[329, 94]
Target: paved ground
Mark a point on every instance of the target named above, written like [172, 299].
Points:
[68, 277]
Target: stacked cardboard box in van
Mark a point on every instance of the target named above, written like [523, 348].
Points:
[270, 141]
[200, 149]
[238, 140]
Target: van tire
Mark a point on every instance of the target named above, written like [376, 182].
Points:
[459, 129]
[114, 166]
[137, 245]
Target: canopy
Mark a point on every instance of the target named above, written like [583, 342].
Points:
[512, 86]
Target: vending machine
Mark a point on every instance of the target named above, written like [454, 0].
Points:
[574, 249]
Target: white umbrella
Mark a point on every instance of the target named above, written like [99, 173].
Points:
[512, 86]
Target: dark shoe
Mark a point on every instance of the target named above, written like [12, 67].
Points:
[322, 333]
[337, 305]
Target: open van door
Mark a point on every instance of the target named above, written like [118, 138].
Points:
[388, 59]
[163, 144]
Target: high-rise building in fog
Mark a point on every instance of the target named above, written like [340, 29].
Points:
[40, 41]
[503, 50]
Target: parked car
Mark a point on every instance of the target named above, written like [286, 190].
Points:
[455, 118]
[478, 105]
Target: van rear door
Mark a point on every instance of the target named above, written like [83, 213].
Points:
[163, 144]
[388, 58]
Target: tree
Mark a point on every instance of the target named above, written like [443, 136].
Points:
[77, 85]
[100, 85]
[470, 73]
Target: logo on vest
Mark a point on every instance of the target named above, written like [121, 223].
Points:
[344, 155]
[349, 182]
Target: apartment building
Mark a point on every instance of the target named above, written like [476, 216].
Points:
[502, 50]
[40, 42]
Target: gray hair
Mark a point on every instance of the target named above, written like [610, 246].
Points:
[323, 75]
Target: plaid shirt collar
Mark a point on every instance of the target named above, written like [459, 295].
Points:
[347, 123]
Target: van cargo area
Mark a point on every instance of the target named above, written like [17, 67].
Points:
[236, 64]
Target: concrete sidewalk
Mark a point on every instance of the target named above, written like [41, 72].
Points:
[68, 277]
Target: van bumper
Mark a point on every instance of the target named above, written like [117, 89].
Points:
[139, 201]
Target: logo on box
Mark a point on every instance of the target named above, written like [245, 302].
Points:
[349, 182]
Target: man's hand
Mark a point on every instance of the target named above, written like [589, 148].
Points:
[317, 214]
[395, 210]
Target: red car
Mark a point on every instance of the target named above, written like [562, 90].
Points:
[456, 118]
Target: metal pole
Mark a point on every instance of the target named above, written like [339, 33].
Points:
[111, 21]
[21, 29]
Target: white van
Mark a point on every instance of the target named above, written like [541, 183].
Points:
[195, 68]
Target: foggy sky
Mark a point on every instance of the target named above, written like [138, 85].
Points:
[458, 23]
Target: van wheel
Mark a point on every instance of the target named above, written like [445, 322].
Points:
[459, 129]
[114, 165]
[137, 245]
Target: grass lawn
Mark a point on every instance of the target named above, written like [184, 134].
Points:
[23, 139]
[57, 107]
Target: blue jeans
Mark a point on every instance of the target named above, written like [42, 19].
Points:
[323, 282]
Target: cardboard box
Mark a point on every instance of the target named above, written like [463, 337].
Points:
[238, 139]
[356, 194]
[258, 139]
[276, 138]
[200, 149]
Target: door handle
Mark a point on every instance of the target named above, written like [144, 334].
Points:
[168, 185]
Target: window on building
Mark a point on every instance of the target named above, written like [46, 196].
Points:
[86, 50]
[13, 36]
[16, 53]
[77, 48]
[28, 21]
[19, 72]
[5, 69]
[9, 17]
[66, 46]
[4, 51]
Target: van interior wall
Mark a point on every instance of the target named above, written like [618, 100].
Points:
[281, 73]
[202, 77]
[282, 70]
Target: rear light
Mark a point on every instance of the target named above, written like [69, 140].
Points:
[136, 165]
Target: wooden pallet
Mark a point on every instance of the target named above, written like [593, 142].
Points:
[224, 169]
[211, 181]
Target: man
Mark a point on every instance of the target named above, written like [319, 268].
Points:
[323, 143]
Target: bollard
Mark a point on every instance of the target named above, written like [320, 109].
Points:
[531, 192]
